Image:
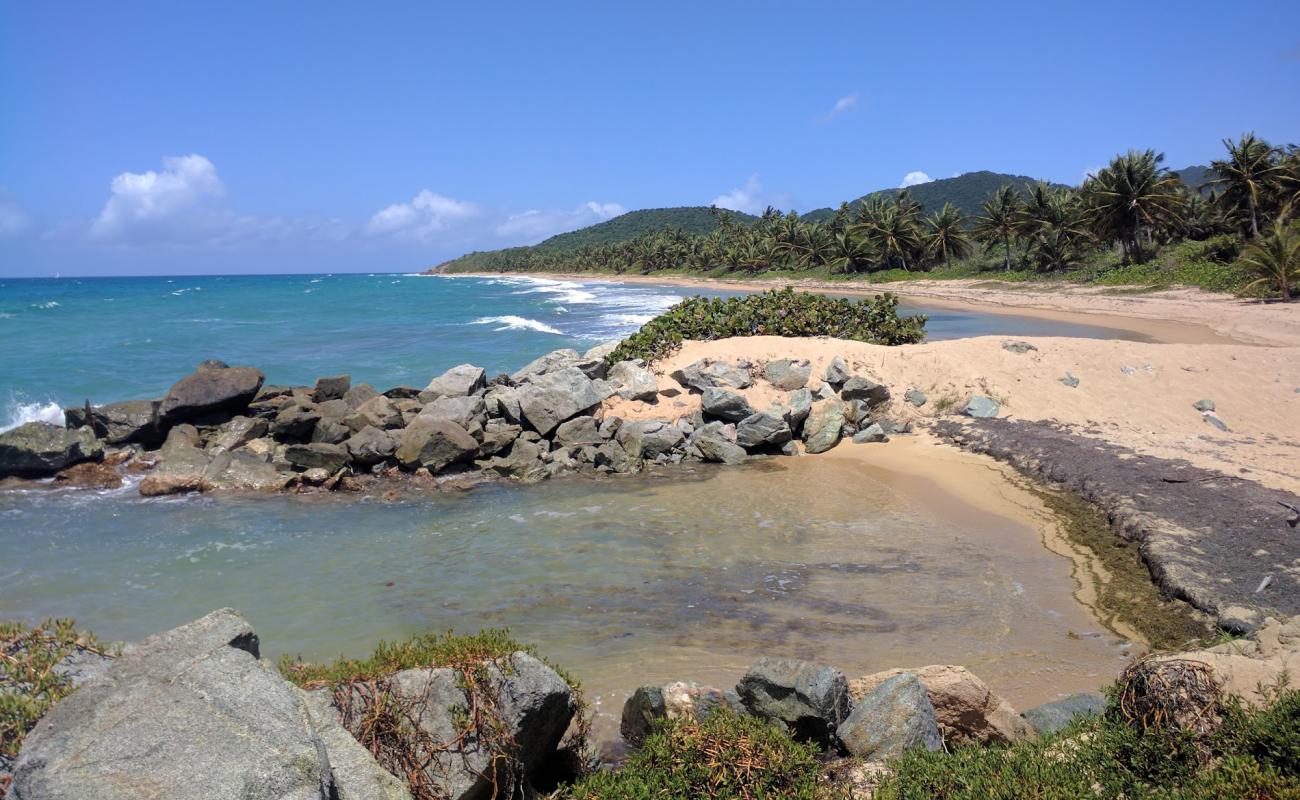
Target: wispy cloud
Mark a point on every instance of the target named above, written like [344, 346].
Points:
[424, 218]
[13, 220]
[752, 198]
[914, 179]
[845, 103]
[535, 225]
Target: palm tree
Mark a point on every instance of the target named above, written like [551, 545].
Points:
[1275, 258]
[1000, 222]
[849, 253]
[1250, 172]
[947, 237]
[1131, 196]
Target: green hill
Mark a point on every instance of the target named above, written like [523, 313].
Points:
[966, 192]
[695, 220]
[1195, 176]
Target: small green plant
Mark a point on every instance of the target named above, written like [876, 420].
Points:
[946, 403]
[29, 684]
[724, 757]
[780, 312]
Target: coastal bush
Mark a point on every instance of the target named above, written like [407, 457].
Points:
[722, 757]
[382, 721]
[779, 312]
[29, 684]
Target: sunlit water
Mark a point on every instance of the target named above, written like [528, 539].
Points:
[692, 575]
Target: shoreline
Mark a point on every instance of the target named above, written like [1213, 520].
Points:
[1167, 316]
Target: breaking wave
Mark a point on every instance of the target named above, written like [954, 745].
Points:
[510, 322]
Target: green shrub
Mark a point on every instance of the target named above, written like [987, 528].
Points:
[725, 756]
[29, 687]
[780, 312]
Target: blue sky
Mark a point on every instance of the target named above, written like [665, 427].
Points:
[151, 138]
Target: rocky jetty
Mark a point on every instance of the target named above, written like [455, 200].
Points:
[223, 428]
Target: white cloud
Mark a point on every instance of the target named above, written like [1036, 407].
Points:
[535, 225]
[915, 179]
[180, 203]
[13, 220]
[425, 218]
[841, 105]
[752, 198]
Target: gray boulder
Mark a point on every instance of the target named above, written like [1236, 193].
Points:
[556, 359]
[865, 389]
[370, 445]
[378, 412]
[872, 433]
[120, 423]
[706, 372]
[459, 381]
[1052, 717]
[210, 390]
[612, 456]
[1215, 420]
[1070, 381]
[523, 461]
[330, 430]
[357, 395]
[649, 438]
[577, 432]
[914, 397]
[837, 372]
[788, 374]
[1020, 348]
[434, 444]
[497, 436]
[558, 395]
[762, 429]
[294, 422]
[39, 448]
[895, 717]
[824, 426]
[236, 433]
[713, 444]
[356, 773]
[191, 713]
[180, 454]
[798, 406]
[723, 404]
[462, 410]
[633, 381]
[317, 455]
[601, 351]
[980, 407]
[1203, 405]
[679, 700]
[332, 388]
[809, 700]
[241, 470]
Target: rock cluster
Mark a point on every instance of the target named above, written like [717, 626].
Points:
[222, 428]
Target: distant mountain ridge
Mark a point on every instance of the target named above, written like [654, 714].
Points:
[695, 220]
[965, 191]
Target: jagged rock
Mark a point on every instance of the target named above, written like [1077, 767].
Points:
[554, 360]
[649, 438]
[317, 455]
[358, 395]
[375, 412]
[798, 405]
[330, 430]
[180, 454]
[534, 707]
[401, 393]
[914, 397]
[434, 444]
[191, 713]
[980, 407]
[678, 700]
[558, 395]
[762, 429]
[497, 436]
[706, 373]
[856, 412]
[459, 381]
[871, 434]
[464, 411]
[332, 388]
[295, 422]
[967, 711]
[860, 388]
[713, 444]
[120, 423]
[896, 716]
[243, 470]
[724, 404]
[356, 774]
[39, 448]
[209, 390]
[236, 433]
[601, 351]
[162, 485]
[824, 426]
[613, 457]
[370, 445]
[809, 700]
[837, 371]
[1054, 716]
[633, 381]
[577, 432]
[788, 374]
[503, 402]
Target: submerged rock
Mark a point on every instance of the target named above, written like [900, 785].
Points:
[39, 448]
[809, 700]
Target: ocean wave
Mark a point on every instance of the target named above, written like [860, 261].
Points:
[510, 322]
[47, 304]
[18, 413]
[627, 319]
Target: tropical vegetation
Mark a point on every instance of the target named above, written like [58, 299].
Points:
[1124, 224]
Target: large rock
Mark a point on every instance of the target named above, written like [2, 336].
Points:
[497, 436]
[377, 412]
[39, 448]
[824, 426]
[798, 406]
[460, 381]
[331, 388]
[865, 389]
[649, 438]
[762, 429]
[558, 395]
[633, 381]
[121, 423]
[896, 716]
[706, 373]
[191, 713]
[723, 404]
[714, 444]
[679, 700]
[556, 359]
[210, 390]
[465, 411]
[577, 432]
[357, 776]
[523, 461]
[1054, 716]
[968, 712]
[534, 707]
[788, 374]
[434, 444]
[237, 469]
[236, 433]
[370, 445]
[837, 371]
[317, 455]
[980, 407]
[809, 700]
[295, 422]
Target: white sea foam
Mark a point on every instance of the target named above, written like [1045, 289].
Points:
[17, 413]
[510, 322]
[48, 304]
